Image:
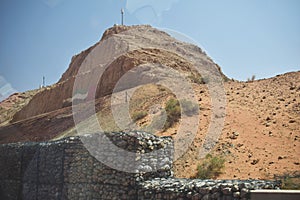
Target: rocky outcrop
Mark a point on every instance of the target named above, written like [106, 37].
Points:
[131, 46]
[13, 104]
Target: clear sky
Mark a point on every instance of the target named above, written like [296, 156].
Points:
[245, 37]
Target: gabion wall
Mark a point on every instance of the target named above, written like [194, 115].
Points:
[65, 169]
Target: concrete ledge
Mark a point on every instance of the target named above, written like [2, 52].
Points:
[275, 194]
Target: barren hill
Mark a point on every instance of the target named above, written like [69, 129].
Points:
[132, 47]
[261, 131]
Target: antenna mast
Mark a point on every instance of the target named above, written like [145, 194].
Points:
[43, 81]
[122, 16]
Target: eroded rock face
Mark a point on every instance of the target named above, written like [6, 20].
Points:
[14, 103]
[121, 50]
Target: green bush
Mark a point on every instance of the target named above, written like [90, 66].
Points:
[211, 167]
[289, 181]
[139, 115]
[196, 79]
[173, 112]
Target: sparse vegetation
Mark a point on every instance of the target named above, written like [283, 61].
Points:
[211, 167]
[139, 115]
[226, 79]
[173, 112]
[196, 79]
[289, 181]
[251, 79]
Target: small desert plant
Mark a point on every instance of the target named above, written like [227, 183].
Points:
[226, 79]
[196, 79]
[139, 115]
[289, 181]
[173, 112]
[251, 79]
[211, 167]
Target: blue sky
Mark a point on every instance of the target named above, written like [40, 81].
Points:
[245, 37]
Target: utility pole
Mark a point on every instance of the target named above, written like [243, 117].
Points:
[122, 16]
[43, 81]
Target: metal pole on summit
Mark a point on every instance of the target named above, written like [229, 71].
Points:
[122, 16]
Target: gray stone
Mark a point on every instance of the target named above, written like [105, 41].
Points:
[236, 194]
[64, 169]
